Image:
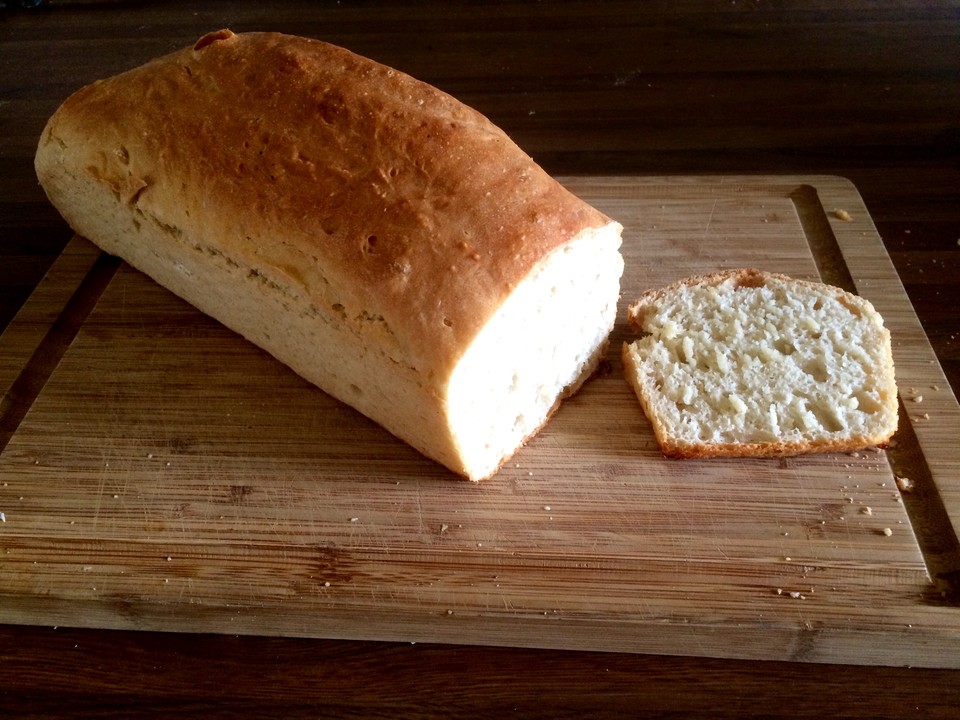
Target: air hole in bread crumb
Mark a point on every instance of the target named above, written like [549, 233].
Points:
[370, 244]
[854, 310]
[817, 369]
[867, 402]
[827, 417]
[784, 346]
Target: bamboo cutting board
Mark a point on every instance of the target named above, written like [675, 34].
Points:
[158, 472]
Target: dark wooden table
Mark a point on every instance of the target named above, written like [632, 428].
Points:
[869, 91]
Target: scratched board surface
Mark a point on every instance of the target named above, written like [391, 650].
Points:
[159, 472]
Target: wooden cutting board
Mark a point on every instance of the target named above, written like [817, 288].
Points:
[159, 472]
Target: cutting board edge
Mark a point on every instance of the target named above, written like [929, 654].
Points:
[929, 647]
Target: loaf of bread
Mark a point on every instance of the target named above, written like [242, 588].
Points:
[748, 363]
[388, 243]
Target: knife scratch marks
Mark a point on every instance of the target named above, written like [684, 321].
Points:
[101, 484]
[561, 450]
[706, 229]
[420, 526]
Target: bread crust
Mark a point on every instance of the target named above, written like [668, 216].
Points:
[646, 304]
[350, 192]
[387, 161]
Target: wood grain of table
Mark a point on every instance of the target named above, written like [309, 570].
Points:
[867, 91]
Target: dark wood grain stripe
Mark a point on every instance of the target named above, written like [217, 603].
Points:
[24, 390]
[823, 243]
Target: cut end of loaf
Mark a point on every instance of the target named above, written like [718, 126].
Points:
[540, 346]
[746, 363]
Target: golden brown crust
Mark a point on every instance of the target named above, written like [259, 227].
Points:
[358, 224]
[377, 193]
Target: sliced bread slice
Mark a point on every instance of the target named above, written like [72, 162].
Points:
[749, 363]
